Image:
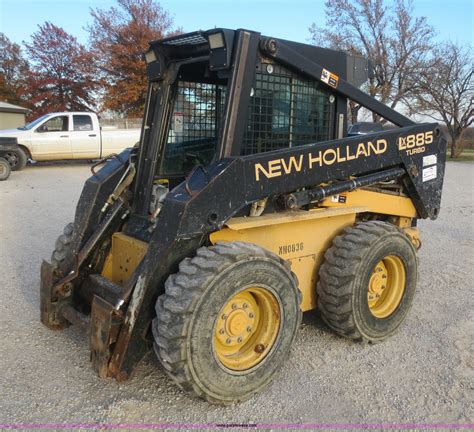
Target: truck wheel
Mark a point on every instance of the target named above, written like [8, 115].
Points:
[17, 159]
[227, 321]
[62, 247]
[5, 169]
[367, 281]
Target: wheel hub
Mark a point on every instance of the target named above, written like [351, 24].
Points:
[12, 159]
[246, 328]
[236, 321]
[378, 282]
[386, 286]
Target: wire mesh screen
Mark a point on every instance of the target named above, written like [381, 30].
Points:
[286, 111]
[194, 126]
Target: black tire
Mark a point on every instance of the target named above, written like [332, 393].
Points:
[346, 272]
[5, 169]
[187, 315]
[62, 247]
[17, 159]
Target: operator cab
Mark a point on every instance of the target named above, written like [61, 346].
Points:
[227, 98]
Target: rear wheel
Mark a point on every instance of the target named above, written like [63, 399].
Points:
[227, 321]
[17, 159]
[367, 281]
[5, 169]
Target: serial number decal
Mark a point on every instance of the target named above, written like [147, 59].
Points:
[290, 248]
[415, 143]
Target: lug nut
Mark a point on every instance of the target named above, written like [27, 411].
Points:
[221, 331]
[245, 305]
[249, 329]
[251, 315]
[229, 340]
[234, 306]
[239, 339]
[224, 317]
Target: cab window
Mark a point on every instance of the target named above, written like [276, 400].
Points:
[55, 124]
[82, 123]
[286, 110]
[194, 126]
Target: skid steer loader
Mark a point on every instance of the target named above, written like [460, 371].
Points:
[244, 205]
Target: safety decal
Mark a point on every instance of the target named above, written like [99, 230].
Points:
[178, 122]
[329, 78]
[429, 173]
[430, 160]
[339, 199]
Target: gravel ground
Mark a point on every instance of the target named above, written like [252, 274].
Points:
[424, 374]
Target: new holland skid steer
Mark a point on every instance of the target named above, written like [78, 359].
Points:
[244, 205]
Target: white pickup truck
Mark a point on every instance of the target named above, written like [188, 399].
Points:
[68, 135]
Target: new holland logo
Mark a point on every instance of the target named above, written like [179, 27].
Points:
[285, 166]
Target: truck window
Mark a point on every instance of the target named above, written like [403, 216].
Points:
[285, 111]
[55, 124]
[82, 123]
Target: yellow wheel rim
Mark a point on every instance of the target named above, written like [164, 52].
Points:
[246, 328]
[386, 286]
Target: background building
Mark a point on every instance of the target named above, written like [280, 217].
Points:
[12, 116]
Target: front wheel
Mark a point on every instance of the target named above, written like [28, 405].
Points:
[367, 281]
[62, 247]
[227, 321]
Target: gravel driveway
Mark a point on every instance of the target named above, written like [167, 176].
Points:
[424, 374]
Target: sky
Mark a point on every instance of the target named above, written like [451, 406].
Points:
[452, 19]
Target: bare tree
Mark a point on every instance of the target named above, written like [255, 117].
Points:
[385, 32]
[445, 91]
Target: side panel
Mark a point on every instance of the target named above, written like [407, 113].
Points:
[302, 242]
[376, 202]
[420, 149]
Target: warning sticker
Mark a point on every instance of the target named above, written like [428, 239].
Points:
[429, 173]
[178, 123]
[339, 199]
[430, 160]
[329, 78]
